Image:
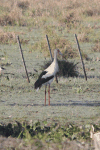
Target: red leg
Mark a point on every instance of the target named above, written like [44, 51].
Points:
[49, 95]
[45, 96]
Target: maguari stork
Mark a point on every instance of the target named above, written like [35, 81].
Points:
[47, 76]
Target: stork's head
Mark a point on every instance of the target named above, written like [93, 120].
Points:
[58, 51]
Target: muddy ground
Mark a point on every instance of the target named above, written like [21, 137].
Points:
[72, 100]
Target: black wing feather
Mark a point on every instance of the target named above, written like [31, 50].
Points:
[41, 81]
[43, 73]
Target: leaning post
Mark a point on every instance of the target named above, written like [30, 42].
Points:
[81, 57]
[23, 58]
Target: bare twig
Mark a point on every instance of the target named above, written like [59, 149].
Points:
[81, 58]
[51, 55]
[23, 59]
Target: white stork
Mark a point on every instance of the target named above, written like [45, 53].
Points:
[47, 76]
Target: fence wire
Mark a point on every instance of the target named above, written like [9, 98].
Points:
[33, 60]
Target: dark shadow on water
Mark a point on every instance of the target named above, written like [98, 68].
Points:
[77, 104]
[70, 103]
[25, 105]
[88, 77]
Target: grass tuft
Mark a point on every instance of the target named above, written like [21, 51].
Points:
[12, 19]
[91, 12]
[56, 42]
[23, 4]
[96, 47]
[7, 37]
[10, 38]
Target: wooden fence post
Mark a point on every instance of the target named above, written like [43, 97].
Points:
[23, 59]
[81, 57]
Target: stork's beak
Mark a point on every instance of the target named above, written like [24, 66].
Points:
[61, 54]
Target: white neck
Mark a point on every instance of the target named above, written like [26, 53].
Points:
[55, 56]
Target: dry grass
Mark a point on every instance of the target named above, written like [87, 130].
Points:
[7, 37]
[56, 42]
[96, 47]
[10, 37]
[82, 37]
[63, 44]
[19, 12]
[92, 11]
[11, 19]
[49, 16]
[70, 15]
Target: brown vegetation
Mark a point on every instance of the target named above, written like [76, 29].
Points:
[67, 14]
[10, 38]
[96, 47]
[21, 11]
[7, 37]
[56, 42]
[56, 19]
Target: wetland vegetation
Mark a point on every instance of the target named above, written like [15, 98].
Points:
[75, 103]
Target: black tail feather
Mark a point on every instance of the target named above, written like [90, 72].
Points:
[37, 84]
[41, 81]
